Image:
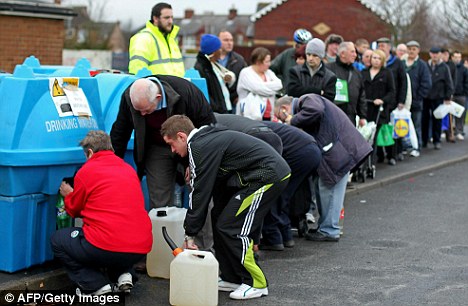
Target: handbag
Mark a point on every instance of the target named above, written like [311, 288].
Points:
[384, 137]
[253, 106]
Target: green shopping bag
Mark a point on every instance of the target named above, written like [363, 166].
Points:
[384, 137]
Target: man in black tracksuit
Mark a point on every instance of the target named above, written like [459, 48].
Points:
[245, 176]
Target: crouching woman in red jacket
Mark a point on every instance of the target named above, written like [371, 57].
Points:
[116, 230]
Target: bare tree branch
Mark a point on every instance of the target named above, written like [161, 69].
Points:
[455, 21]
[398, 13]
[97, 9]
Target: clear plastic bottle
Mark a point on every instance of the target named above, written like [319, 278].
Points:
[178, 196]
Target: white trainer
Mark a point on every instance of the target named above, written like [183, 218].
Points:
[103, 290]
[460, 137]
[246, 292]
[226, 286]
[125, 282]
[310, 218]
[415, 153]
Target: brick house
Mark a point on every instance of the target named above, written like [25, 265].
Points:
[30, 28]
[192, 26]
[84, 33]
[276, 22]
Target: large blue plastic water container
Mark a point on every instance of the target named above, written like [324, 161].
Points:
[37, 146]
[111, 87]
[194, 76]
[27, 222]
[54, 70]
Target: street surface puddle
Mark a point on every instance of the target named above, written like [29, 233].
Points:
[387, 244]
[458, 250]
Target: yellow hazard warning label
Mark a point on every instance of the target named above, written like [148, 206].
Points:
[57, 91]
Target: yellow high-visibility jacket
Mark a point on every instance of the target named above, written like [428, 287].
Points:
[161, 55]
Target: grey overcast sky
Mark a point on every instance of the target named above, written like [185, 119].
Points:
[138, 11]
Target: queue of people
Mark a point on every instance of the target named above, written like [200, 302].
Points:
[279, 124]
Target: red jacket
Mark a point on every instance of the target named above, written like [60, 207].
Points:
[107, 195]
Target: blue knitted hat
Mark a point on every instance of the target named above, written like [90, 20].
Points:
[209, 44]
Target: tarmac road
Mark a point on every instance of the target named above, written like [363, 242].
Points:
[403, 244]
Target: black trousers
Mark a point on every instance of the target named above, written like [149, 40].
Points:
[237, 217]
[303, 164]
[88, 266]
[428, 115]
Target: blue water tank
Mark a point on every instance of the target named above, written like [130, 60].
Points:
[38, 147]
[26, 225]
[58, 70]
[194, 76]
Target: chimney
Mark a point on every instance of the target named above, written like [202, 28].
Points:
[188, 14]
[232, 14]
[58, 2]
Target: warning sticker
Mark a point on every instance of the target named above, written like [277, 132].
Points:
[78, 102]
[69, 99]
[57, 91]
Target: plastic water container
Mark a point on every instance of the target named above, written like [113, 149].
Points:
[194, 279]
[158, 261]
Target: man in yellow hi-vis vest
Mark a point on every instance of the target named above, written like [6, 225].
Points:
[156, 47]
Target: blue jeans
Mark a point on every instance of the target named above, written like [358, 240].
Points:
[330, 202]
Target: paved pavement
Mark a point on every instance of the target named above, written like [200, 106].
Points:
[51, 276]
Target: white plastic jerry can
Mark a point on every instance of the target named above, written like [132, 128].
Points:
[194, 279]
[159, 259]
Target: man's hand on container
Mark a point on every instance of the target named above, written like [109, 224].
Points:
[189, 243]
[65, 189]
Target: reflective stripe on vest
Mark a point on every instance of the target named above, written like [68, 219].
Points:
[159, 60]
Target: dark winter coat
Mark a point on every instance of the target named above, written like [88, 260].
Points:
[380, 87]
[357, 98]
[254, 128]
[461, 85]
[453, 71]
[282, 63]
[182, 97]
[399, 77]
[421, 83]
[205, 68]
[343, 147]
[442, 84]
[301, 82]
